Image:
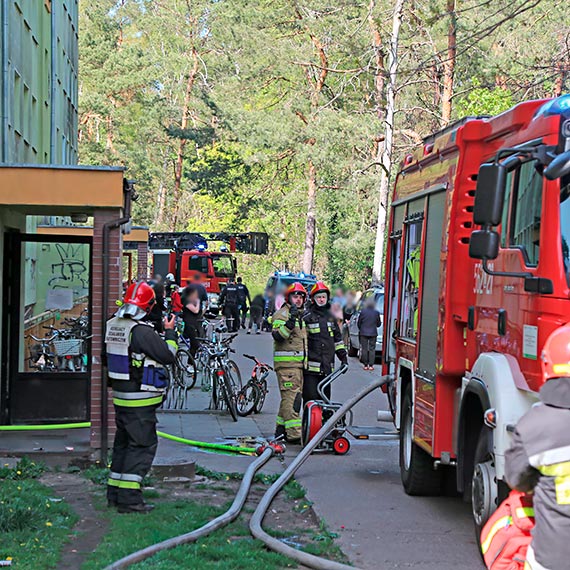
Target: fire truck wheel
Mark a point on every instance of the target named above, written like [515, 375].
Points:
[484, 490]
[341, 445]
[416, 467]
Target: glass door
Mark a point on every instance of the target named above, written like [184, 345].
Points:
[49, 344]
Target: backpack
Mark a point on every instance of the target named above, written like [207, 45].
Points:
[506, 535]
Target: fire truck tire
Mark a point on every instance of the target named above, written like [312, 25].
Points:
[416, 466]
[484, 488]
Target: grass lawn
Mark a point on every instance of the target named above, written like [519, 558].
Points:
[34, 524]
[230, 548]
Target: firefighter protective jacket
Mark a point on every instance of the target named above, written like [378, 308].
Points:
[136, 356]
[229, 295]
[324, 339]
[290, 339]
[539, 461]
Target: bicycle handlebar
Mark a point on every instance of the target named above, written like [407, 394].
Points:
[42, 340]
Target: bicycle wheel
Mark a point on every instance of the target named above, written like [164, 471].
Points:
[185, 368]
[261, 385]
[215, 386]
[246, 399]
[228, 394]
[235, 375]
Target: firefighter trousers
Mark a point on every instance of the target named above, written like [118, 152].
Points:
[290, 381]
[133, 453]
[310, 382]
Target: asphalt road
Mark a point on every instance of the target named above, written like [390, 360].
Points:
[359, 495]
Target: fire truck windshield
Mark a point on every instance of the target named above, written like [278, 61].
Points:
[565, 227]
[223, 265]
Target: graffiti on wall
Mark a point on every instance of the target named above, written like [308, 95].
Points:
[71, 271]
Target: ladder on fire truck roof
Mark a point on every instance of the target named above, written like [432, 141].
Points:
[246, 242]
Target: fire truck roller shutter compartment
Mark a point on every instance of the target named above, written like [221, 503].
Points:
[430, 284]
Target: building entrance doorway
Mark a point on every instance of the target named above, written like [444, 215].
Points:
[46, 353]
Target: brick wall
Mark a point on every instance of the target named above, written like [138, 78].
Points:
[115, 290]
[142, 261]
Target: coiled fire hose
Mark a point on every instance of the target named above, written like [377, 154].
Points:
[255, 527]
[230, 515]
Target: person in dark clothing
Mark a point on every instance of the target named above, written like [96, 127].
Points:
[324, 340]
[136, 356]
[192, 317]
[368, 323]
[256, 314]
[244, 299]
[156, 313]
[268, 309]
[229, 300]
[538, 460]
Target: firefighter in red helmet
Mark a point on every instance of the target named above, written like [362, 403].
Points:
[290, 349]
[136, 356]
[539, 458]
[324, 340]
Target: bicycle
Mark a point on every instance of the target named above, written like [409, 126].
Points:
[41, 357]
[252, 396]
[224, 375]
[184, 368]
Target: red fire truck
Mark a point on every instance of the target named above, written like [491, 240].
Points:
[477, 277]
[187, 257]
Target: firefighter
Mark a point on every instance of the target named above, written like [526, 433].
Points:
[172, 296]
[539, 458]
[290, 340]
[229, 301]
[324, 340]
[244, 300]
[136, 356]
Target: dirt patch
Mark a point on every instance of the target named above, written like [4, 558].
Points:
[88, 532]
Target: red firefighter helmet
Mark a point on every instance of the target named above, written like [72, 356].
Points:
[295, 288]
[139, 300]
[555, 357]
[319, 287]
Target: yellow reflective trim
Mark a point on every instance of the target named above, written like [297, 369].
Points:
[292, 423]
[561, 369]
[172, 343]
[556, 469]
[137, 403]
[524, 512]
[280, 421]
[501, 523]
[129, 485]
[113, 482]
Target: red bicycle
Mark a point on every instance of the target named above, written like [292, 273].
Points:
[252, 396]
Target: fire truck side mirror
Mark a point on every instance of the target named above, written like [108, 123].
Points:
[559, 167]
[490, 194]
[484, 244]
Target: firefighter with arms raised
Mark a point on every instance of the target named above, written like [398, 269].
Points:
[290, 344]
[136, 356]
[539, 458]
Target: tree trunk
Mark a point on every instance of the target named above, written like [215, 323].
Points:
[386, 157]
[311, 223]
[379, 69]
[182, 144]
[449, 65]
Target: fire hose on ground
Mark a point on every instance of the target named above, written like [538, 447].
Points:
[256, 529]
[224, 519]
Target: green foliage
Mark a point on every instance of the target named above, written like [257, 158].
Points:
[24, 469]
[34, 525]
[248, 97]
[484, 101]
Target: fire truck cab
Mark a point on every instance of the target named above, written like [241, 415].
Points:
[477, 277]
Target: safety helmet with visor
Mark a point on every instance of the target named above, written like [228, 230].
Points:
[555, 357]
[138, 301]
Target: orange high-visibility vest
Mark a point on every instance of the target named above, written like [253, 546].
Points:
[506, 535]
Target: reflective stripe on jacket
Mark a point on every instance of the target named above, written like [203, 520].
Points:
[130, 347]
[324, 340]
[289, 346]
